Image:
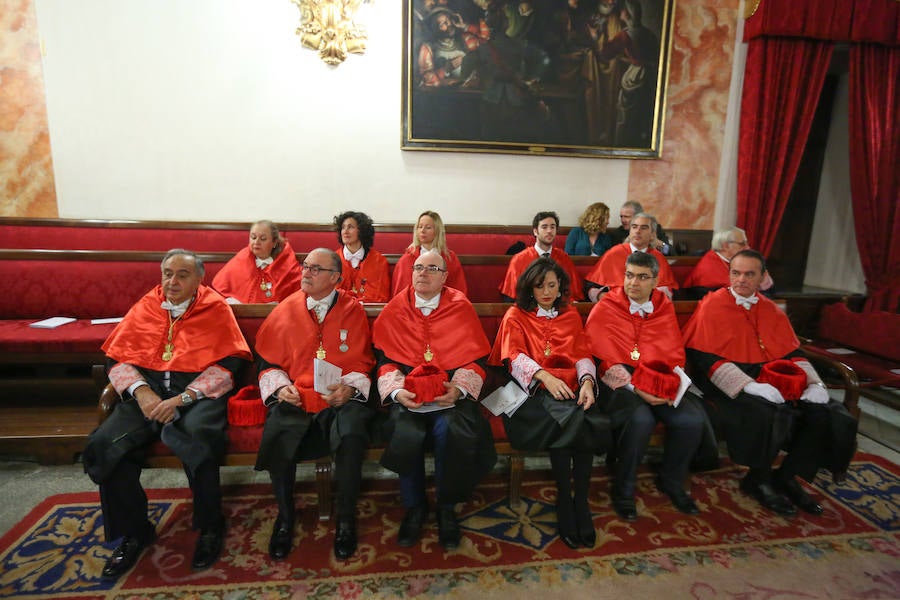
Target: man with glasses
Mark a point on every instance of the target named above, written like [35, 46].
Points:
[308, 418]
[634, 334]
[610, 271]
[620, 234]
[431, 352]
[711, 272]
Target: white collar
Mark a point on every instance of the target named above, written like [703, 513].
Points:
[262, 263]
[635, 249]
[550, 314]
[428, 305]
[540, 251]
[744, 301]
[354, 258]
[177, 309]
[645, 309]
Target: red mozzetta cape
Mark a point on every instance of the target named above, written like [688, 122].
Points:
[711, 271]
[720, 327]
[520, 262]
[241, 279]
[204, 335]
[611, 329]
[402, 277]
[610, 271]
[370, 282]
[289, 338]
[453, 331]
[525, 333]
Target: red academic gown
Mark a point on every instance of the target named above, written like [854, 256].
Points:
[520, 262]
[610, 270]
[370, 282]
[711, 271]
[453, 333]
[402, 276]
[241, 279]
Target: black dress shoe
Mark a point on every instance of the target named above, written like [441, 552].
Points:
[624, 507]
[448, 528]
[584, 521]
[411, 526]
[680, 499]
[796, 494]
[208, 548]
[280, 542]
[766, 495]
[566, 523]
[125, 555]
[345, 538]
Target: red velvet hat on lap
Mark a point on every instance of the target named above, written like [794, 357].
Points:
[246, 408]
[426, 382]
[785, 376]
[655, 377]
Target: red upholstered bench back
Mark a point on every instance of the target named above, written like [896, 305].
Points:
[876, 332]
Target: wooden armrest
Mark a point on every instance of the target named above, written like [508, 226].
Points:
[108, 400]
[848, 376]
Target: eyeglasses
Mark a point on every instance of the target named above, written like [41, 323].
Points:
[314, 269]
[639, 276]
[429, 268]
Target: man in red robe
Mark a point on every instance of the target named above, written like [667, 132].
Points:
[430, 348]
[324, 323]
[634, 333]
[610, 271]
[766, 395]
[544, 226]
[265, 271]
[711, 272]
[176, 354]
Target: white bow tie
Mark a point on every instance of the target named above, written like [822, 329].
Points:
[354, 257]
[319, 306]
[646, 308]
[746, 302]
[430, 304]
[550, 314]
[177, 309]
[262, 263]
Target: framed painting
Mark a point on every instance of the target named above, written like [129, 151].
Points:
[556, 77]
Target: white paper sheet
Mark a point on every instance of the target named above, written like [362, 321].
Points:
[105, 321]
[840, 351]
[52, 322]
[326, 374]
[506, 399]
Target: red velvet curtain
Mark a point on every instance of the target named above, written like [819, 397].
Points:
[782, 82]
[874, 118]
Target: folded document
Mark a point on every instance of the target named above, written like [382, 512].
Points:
[52, 322]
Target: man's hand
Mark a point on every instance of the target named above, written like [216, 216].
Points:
[290, 394]
[651, 399]
[556, 386]
[450, 397]
[764, 390]
[407, 399]
[340, 395]
[164, 411]
[146, 399]
[586, 394]
[815, 394]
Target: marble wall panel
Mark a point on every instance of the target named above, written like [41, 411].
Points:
[680, 188]
[27, 187]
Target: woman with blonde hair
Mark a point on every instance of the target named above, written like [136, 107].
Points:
[590, 237]
[263, 272]
[428, 236]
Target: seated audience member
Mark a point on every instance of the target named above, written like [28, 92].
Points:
[711, 272]
[319, 322]
[634, 334]
[609, 272]
[767, 397]
[620, 234]
[365, 270]
[430, 349]
[541, 342]
[175, 356]
[590, 237]
[428, 236]
[544, 227]
[265, 271]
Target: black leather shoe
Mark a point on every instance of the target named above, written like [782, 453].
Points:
[280, 542]
[411, 526]
[208, 548]
[345, 538]
[125, 555]
[766, 495]
[584, 521]
[796, 494]
[680, 499]
[448, 528]
[566, 524]
[624, 507]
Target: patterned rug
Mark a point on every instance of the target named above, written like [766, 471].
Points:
[733, 549]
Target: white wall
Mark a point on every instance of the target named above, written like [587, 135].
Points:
[833, 256]
[212, 110]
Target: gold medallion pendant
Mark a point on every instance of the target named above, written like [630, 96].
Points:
[635, 354]
[320, 353]
[428, 354]
[168, 352]
[547, 350]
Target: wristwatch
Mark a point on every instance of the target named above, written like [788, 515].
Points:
[186, 399]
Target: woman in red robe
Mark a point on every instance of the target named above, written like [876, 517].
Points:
[264, 272]
[365, 270]
[541, 342]
[428, 236]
